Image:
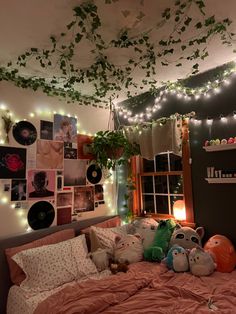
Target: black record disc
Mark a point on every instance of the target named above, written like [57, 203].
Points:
[94, 174]
[41, 215]
[24, 133]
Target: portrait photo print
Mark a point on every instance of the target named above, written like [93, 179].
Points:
[18, 190]
[41, 184]
[46, 130]
[65, 128]
[64, 199]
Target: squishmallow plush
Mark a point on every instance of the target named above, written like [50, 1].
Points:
[157, 251]
[177, 259]
[223, 252]
[146, 227]
[101, 258]
[187, 237]
[200, 262]
[128, 248]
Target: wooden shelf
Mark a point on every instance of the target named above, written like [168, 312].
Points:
[220, 180]
[218, 148]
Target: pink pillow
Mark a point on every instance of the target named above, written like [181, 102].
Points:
[110, 223]
[16, 273]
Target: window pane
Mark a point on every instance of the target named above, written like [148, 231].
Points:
[174, 199]
[162, 162]
[162, 204]
[175, 163]
[161, 184]
[148, 165]
[176, 184]
[148, 203]
[147, 184]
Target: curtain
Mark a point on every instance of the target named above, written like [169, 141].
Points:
[157, 137]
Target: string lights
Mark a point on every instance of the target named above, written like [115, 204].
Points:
[210, 89]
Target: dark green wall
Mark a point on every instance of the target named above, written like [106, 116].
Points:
[214, 204]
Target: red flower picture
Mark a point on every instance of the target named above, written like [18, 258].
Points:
[12, 162]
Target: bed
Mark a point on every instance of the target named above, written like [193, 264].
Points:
[146, 287]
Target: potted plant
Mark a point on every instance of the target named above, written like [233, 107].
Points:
[112, 148]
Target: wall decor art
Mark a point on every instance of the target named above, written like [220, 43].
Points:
[70, 153]
[41, 215]
[64, 215]
[65, 128]
[24, 133]
[49, 154]
[41, 184]
[83, 199]
[84, 147]
[99, 193]
[74, 172]
[12, 162]
[46, 130]
[18, 190]
[64, 199]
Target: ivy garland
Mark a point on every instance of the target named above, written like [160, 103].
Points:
[107, 78]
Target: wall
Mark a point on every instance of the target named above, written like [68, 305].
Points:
[22, 103]
[214, 204]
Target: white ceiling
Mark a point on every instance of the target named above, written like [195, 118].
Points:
[29, 23]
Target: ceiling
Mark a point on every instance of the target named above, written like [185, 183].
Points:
[29, 23]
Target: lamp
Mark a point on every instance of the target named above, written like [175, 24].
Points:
[179, 210]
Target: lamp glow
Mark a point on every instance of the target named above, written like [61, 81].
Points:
[179, 210]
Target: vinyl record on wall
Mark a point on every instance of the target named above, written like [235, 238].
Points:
[24, 133]
[41, 215]
[94, 174]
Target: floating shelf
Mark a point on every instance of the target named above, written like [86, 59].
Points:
[218, 148]
[220, 180]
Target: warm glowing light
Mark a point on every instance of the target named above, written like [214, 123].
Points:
[4, 200]
[179, 210]
[209, 121]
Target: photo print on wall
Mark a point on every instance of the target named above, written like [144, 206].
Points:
[41, 184]
[64, 199]
[84, 147]
[65, 128]
[74, 172]
[24, 133]
[46, 130]
[18, 190]
[70, 153]
[83, 199]
[12, 162]
[64, 215]
[49, 154]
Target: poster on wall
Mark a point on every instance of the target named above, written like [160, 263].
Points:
[65, 128]
[46, 130]
[84, 147]
[70, 153]
[18, 190]
[12, 162]
[74, 172]
[24, 133]
[41, 184]
[83, 199]
[49, 154]
[64, 215]
[64, 199]
[99, 193]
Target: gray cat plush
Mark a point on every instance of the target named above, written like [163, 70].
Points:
[187, 237]
[201, 263]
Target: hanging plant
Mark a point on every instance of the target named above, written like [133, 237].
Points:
[7, 124]
[112, 148]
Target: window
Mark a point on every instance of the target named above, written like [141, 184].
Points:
[161, 183]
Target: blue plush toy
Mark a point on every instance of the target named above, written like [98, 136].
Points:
[177, 259]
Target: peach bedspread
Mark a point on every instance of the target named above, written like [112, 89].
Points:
[146, 288]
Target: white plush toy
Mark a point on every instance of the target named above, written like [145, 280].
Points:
[128, 248]
[101, 258]
[201, 263]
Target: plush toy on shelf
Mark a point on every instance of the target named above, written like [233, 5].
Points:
[223, 252]
[177, 259]
[187, 237]
[157, 251]
[200, 262]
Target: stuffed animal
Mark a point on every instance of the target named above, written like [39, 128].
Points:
[187, 237]
[177, 259]
[146, 227]
[101, 258]
[118, 267]
[157, 251]
[223, 252]
[128, 248]
[200, 262]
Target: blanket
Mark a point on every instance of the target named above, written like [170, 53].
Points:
[149, 288]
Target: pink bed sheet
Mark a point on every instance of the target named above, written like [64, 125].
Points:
[146, 288]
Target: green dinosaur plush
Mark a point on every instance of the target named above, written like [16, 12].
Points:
[157, 251]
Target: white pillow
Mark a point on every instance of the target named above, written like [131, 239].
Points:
[50, 266]
[146, 227]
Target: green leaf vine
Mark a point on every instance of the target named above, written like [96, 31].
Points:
[106, 77]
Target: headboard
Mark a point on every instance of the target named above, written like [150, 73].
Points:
[5, 282]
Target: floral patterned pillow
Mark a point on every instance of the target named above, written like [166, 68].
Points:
[50, 266]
